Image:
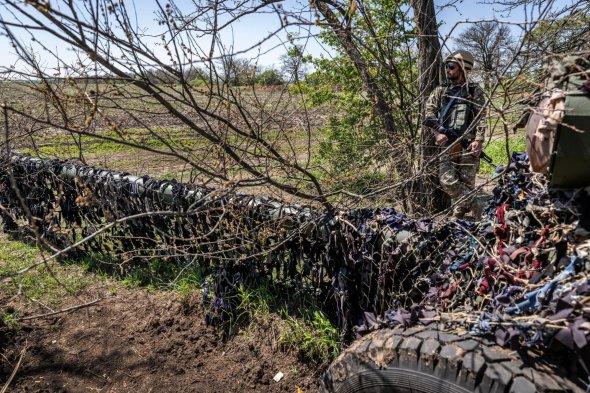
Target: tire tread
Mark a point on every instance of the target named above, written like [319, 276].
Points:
[468, 363]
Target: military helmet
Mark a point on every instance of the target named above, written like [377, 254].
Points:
[463, 57]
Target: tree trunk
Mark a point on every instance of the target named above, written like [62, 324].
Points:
[429, 194]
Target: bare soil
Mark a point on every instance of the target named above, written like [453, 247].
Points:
[137, 341]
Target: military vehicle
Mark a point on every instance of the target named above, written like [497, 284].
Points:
[441, 355]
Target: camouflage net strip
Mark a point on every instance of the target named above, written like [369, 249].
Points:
[520, 273]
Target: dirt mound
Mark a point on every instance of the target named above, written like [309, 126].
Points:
[136, 341]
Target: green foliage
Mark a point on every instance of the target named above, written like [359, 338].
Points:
[354, 135]
[561, 35]
[152, 273]
[496, 149]
[60, 145]
[269, 77]
[295, 62]
[10, 319]
[353, 139]
[252, 304]
[351, 150]
[313, 336]
[307, 330]
[47, 281]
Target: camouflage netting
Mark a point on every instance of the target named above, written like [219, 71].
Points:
[520, 273]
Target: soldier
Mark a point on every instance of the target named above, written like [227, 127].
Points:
[458, 105]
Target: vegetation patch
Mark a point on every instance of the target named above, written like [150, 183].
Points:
[111, 142]
[313, 336]
[46, 283]
[501, 150]
[307, 331]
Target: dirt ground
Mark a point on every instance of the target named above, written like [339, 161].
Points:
[137, 341]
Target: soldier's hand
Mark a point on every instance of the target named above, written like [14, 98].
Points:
[441, 139]
[475, 148]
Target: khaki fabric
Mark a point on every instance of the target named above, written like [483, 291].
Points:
[457, 178]
[541, 129]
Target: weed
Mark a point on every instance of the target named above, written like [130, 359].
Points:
[131, 282]
[10, 319]
[313, 336]
[185, 287]
[251, 304]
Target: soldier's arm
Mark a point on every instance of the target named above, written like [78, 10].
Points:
[431, 112]
[433, 104]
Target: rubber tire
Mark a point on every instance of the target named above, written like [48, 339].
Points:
[427, 360]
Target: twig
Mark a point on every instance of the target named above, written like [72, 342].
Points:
[15, 369]
[6, 126]
[43, 305]
[348, 223]
[61, 311]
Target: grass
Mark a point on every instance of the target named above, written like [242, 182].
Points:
[313, 335]
[46, 283]
[185, 287]
[496, 149]
[60, 145]
[153, 273]
[10, 319]
[307, 330]
[253, 304]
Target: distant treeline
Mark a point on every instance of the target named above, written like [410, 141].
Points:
[239, 73]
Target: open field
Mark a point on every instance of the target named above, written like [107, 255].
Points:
[130, 132]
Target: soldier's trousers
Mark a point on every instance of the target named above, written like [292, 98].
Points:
[457, 178]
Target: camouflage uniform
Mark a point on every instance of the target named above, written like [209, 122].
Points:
[457, 171]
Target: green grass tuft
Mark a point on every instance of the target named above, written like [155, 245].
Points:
[313, 336]
[253, 304]
[47, 282]
[497, 151]
[10, 319]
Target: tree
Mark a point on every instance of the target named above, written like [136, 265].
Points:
[237, 71]
[295, 63]
[429, 60]
[378, 79]
[270, 77]
[384, 65]
[568, 34]
[491, 45]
